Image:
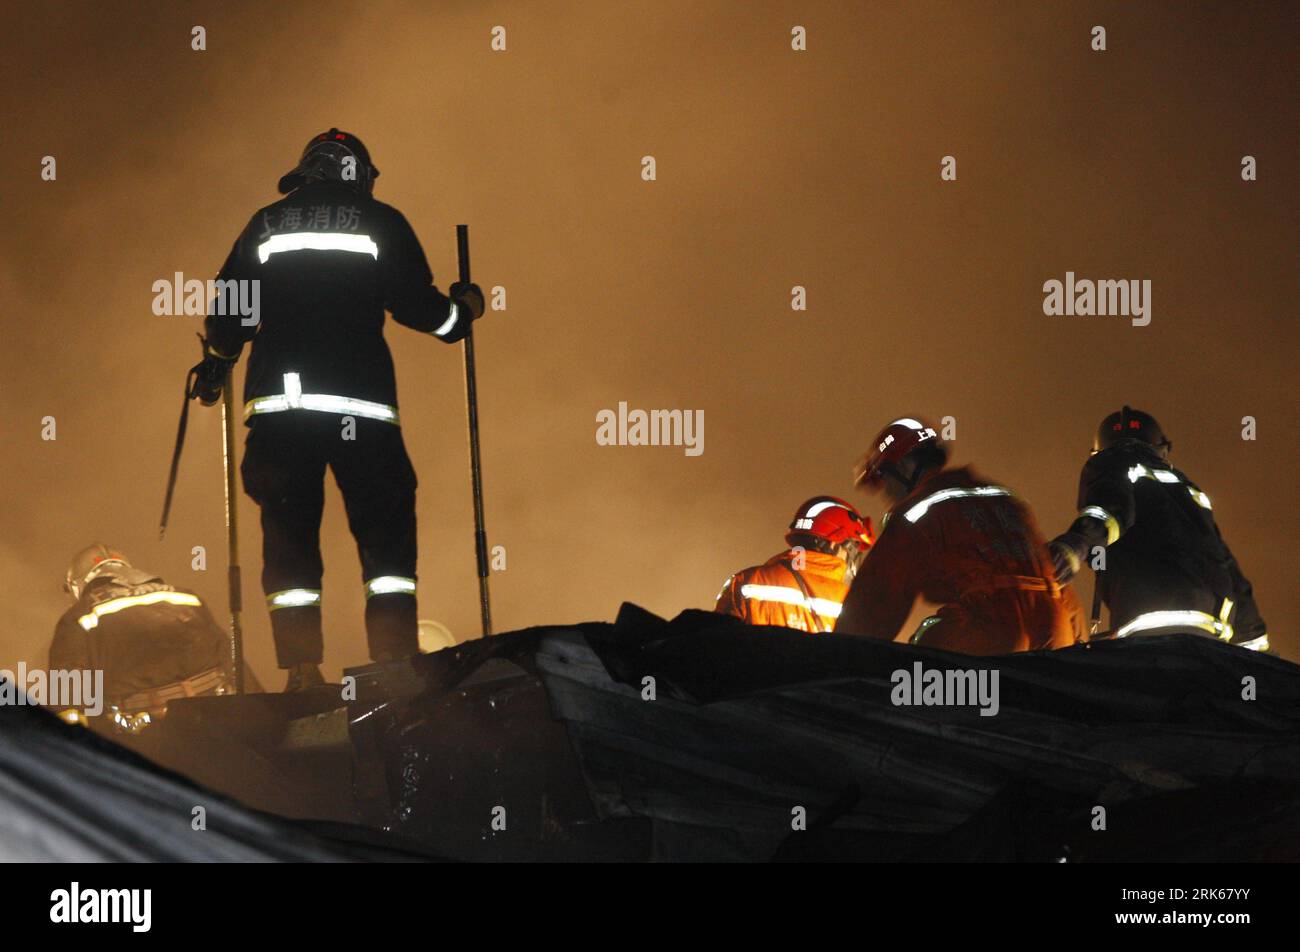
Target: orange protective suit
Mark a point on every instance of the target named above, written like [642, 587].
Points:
[778, 592]
[973, 548]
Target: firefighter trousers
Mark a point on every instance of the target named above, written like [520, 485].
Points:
[285, 458]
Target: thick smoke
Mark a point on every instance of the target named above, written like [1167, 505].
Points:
[774, 169]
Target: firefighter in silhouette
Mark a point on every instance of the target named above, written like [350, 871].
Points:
[155, 643]
[959, 541]
[803, 586]
[1167, 568]
[320, 390]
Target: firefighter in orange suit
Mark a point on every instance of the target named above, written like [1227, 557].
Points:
[958, 541]
[803, 586]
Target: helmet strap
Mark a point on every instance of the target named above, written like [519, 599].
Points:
[907, 482]
[807, 540]
[852, 555]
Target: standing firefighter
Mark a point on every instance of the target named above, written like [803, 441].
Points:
[154, 642]
[804, 586]
[320, 390]
[1167, 569]
[959, 541]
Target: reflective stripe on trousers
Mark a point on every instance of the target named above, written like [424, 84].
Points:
[294, 598]
[309, 597]
[390, 585]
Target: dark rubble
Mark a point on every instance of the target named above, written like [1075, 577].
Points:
[551, 730]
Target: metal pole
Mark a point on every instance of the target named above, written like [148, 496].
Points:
[1094, 623]
[228, 453]
[475, 467]
[190, 381]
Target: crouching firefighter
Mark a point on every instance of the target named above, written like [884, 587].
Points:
[957, 540]
[320, 391]
[1166, 568]
[155, 643]
[804, 586]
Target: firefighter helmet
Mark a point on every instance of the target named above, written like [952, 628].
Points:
[832, 520]
[1130, 424]
[899, 441]
[325, 159]
[90, 562]
[435, 636]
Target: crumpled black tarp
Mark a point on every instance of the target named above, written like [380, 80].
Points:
[745, 726]
[748, 724]
[69, 795]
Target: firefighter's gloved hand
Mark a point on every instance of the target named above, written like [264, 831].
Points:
[469, 298]
[210, 377]
[1068, 552]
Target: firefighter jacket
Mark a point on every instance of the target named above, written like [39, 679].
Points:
[328, 262]
[795, 589]
[142, 633]
[1166, 564]
[973, 548]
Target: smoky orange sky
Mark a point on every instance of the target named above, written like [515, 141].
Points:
[775, 168]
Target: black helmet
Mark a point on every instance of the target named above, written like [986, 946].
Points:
[324, 160]
[1130, 424]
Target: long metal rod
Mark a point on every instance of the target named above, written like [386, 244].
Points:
[475, 466]
[1094, 621]
[228, 454]
[172, 471]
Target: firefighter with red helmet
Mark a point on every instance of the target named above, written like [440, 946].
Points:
[1166, 569]
[803, 586]
[959, 541]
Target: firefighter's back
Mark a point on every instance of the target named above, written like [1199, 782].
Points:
[1172, 557]
[983, 559]
[793, 589]
[143, 633]
[322, 313]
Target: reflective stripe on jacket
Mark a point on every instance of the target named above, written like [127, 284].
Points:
[327, 263]
[973, 548]
[1164, 552]
[771, 593]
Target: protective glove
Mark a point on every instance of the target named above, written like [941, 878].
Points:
[1068, 553]
[469, 298]
[210, 376]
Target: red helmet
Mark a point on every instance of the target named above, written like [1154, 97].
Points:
[833, 520]
[891, 445]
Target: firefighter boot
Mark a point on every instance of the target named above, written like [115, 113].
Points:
[303, 676]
